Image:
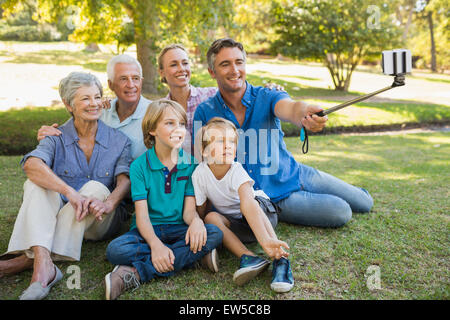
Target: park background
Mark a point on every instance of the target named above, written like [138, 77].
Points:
[396, 144]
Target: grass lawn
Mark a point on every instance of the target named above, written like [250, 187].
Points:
[406, 235]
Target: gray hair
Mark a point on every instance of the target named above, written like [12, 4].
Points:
[75, 80]
[218, 45]
[121, 58]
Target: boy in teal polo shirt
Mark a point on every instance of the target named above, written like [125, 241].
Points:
[167, 233]
[152, 181]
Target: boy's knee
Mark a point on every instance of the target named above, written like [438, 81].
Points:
[213, 218]
[214, 234]
[117, 249]
[111, 251]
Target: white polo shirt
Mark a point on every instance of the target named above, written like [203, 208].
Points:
[131, 126]
[222, 193]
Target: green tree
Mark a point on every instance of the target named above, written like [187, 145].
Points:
[155, 23]
[253, 24]
[430, 37]
[338, 32]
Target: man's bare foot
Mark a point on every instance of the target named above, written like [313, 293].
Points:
[15, 265]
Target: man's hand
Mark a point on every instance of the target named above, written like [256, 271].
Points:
[274, 248]
[162, 257]
[196, 235]
[48, 131]
[311, 121]
[98, 208]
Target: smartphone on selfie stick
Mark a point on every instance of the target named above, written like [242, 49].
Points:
[397, 63]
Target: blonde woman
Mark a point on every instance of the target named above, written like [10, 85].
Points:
[175, 71]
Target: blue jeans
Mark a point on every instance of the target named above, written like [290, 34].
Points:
[323, 201]
[132, 249]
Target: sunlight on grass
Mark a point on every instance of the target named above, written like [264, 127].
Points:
[443, 141]
[324, 156]
[392, 175]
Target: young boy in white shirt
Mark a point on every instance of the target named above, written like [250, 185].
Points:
[241, 214]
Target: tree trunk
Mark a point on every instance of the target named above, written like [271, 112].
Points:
[146, 21]
[146, 55]
[340, 71]
[92, 47]
[433, 45]
[408, 24]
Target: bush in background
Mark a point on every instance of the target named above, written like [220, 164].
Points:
[20, 126]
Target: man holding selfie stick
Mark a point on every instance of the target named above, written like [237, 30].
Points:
[305, 195]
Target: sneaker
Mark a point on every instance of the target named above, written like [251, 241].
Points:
[282, 278]
[121, 279]
[211, 261]
[250, 267]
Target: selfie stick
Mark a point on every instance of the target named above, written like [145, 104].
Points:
[395, 63]
[399, 81]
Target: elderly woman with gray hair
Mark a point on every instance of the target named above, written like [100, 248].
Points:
[76, 182]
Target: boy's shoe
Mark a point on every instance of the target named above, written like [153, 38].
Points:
[282, 278]
[250, 267]
[211, 261]
[121, 279]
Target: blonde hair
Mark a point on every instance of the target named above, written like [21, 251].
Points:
[204, 137]
[153, 115]
[163, 52]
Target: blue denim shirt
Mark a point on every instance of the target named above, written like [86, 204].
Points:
[111, 156]
[261, 149]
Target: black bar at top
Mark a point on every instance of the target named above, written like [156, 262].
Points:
[404, 61]
[395, 62]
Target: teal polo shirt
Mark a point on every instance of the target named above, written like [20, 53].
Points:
[164, 190]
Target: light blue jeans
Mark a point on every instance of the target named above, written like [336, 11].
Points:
[323, 201]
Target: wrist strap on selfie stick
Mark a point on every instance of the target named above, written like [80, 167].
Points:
[399, 81]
